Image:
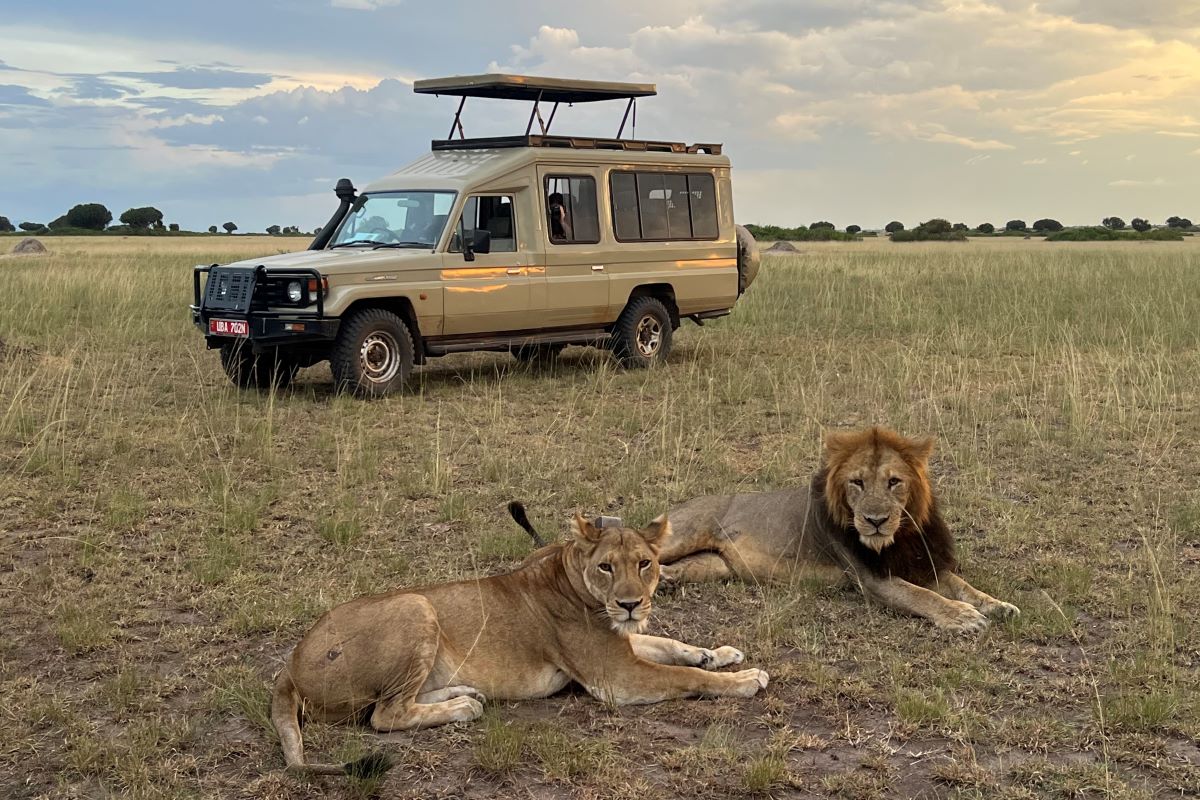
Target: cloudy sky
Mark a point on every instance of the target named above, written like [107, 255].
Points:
[856, 111]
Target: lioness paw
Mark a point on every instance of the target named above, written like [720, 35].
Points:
[749, 682]
[723, 657]
[464, 709]
[1000, 609]
[961, 618]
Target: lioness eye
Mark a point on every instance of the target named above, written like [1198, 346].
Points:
[893, 482]
[605, 568]
[644, 563]
[856, 482]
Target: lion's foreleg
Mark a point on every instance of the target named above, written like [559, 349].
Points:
[699, 568]
[953, 615]
[641, 682]
[987, 604]
[662, 650]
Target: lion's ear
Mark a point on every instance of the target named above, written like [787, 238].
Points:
[657, 531]
[839, 442]
[922, 449]
[584, 530]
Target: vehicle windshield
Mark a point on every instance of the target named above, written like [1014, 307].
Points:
[395, 219]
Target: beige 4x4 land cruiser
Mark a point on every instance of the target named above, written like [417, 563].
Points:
[522, 243]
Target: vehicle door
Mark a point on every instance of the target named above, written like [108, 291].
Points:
[576, 278]
[486, 292]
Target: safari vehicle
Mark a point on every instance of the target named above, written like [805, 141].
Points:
[524, 243]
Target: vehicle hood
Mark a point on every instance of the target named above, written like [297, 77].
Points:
[329, 259]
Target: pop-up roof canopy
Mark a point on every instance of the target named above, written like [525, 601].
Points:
[539, 90]
[533, 89]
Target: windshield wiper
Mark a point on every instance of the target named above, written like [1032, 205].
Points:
[353, 242]
[402, 244]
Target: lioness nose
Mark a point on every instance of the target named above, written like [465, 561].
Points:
[876, 521]
[629, 605]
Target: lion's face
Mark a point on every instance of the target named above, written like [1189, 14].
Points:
[620, 569]
[876, 482]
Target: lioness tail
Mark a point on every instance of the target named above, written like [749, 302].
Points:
[285, 716]
[517, 509]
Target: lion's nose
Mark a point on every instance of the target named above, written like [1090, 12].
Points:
[876, 521]
[629, 605]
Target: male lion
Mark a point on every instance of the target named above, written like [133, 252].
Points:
[414, 658]
[869, 514]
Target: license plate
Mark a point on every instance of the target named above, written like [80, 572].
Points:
[229, 327]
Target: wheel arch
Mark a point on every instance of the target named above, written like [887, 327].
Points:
[400, 306]
[663, 292]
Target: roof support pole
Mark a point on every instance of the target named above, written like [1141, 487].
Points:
[550, 121]
[533, 112]
[625, 118]
[457, 124]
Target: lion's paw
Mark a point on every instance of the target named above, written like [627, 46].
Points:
[722, 657]
[464, 709]
[1000, 609]
[961, 618]
[749, 682]
[466, 691]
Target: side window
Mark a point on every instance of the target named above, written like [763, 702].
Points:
[493, 213]
[663, 206]
[571, 212]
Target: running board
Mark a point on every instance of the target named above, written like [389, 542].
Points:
[703, 315]
[505, 343]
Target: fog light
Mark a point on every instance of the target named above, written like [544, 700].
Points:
[295, 291]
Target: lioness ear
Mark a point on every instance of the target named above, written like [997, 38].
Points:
[584, 530]
[657, 531]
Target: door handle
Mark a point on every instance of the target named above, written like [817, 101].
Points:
[597, 268]
[513, 270]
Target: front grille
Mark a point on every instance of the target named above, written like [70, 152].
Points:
[229, 289]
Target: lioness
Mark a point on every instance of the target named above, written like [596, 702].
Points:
[414, 658]
[869, 513]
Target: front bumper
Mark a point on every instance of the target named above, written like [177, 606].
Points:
[267, 327]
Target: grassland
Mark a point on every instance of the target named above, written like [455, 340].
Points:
[165, 539]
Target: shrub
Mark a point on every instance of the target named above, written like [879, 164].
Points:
[273, 230]
[1178, 222]
[1101, 234]
[961, 226]
[893, 226]
[934, 230]
[174, 227]
[212, 228]
[853, 229]
[1114, 223]
[6, 226]
[90, 216]
[142, 217]
[1047, 225]
[986, 227]
[1015, 225]
[229, 227]
[821, 225]
[1140, 225]
[31, 226]
[800, 234]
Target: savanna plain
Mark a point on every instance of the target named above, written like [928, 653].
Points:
[165, 538]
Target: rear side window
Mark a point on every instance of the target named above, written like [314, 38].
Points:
[663, 206]
[571, 211]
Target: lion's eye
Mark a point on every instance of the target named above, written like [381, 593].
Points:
[893, 482]
[644, 563]
[856, 482]
[606, 567]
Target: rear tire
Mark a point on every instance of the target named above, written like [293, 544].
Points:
[262, 371]
[373, 353]
[641, 336]
[537, 353]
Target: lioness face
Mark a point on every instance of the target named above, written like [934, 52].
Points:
[880, 476]
[621, 569]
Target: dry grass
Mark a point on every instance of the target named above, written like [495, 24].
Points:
[164, 538]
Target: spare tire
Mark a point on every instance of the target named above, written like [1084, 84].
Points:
[747, 258]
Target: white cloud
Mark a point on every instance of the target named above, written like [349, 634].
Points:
[1126, 183]
[1034, 161]
[1181, 134]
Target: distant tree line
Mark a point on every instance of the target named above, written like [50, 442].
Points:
[89, 218]
[939, 229]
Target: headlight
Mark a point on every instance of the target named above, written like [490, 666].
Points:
[295, 291]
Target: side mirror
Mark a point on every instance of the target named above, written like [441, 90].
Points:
[481, 241]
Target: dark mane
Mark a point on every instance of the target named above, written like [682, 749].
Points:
[915, 555]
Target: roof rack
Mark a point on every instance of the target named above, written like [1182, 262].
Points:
[536, 90]
[576, 143]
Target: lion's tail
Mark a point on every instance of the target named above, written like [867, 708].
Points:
[517, 509]
[285, 716]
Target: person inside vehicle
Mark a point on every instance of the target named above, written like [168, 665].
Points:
[560, 223]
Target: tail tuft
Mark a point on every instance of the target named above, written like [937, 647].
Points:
[517, 510]
[369, 766]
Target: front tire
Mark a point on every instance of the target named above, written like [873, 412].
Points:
[373, 354]
[263, 371]
[642, 334]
